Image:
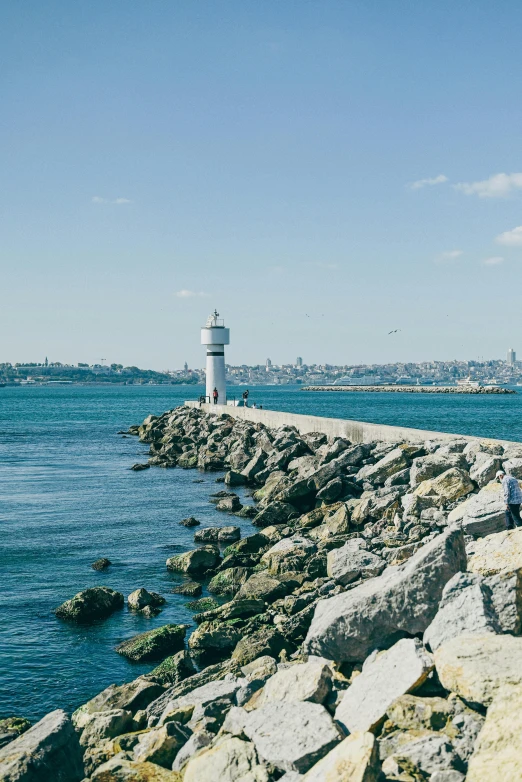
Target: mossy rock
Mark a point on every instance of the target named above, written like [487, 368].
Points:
[228, 582]
[91, 604]
[203, 604]
[16, 725]
[154, 644]
[173, 669]
[189, 588]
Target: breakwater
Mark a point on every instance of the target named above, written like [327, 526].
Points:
[417, 389]
[355, 431]
[397, 547]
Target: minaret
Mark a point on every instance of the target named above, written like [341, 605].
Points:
[215, 336]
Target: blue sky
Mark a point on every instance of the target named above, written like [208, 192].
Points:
[162, 158]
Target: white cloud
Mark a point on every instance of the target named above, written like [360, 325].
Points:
[185, 294]
[511, 238]
[449, 255]
[497, 186]
[494, 261]
[436, 180]
[100, 200]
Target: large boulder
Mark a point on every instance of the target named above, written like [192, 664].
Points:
[292, 736]
[133, 697]
[500, 553]
[426, 467]
[481, 514]
[275, 513]
[393, 673]
[403, 600]
[355, 759]
[311, 681]
[228, 760]
[446, 488]
[91, 604]
[197, 561]
[215, 640]
[47, 752]
[203, 697]
[476, 667]
[429, 756]
[498, 752]
[154, 644]
[265, 641]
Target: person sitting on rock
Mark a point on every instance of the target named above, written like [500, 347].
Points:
[512, 498]
[215, 396]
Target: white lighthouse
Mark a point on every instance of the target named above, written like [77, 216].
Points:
[215, 336]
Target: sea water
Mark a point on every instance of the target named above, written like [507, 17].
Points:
[67, 497]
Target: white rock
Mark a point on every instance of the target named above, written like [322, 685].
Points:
[391, 674]
[105, 725]
[498, 752]
[355, 759]
[228, 760]
[500, 553]
[476, 667]
[309, 681]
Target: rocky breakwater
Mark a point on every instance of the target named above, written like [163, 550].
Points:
[372, 629]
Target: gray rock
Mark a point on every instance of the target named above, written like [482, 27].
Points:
[506, 598]
[331, 491]
[161, 745]
[484, 468]
[514, 467]
[292, 736]
[133, 696]
[199, 740]
[466, 607]
[154, 644]
[263, 586]
[172, 670]
[482, 514]
[141, 598]
[424, 467]
[202, 696]
[47, 752]
[395, 461]
[196, 561]
[426, 755]
[104, 725]
[120, 769]
[403, 600]
[349, 562]
[275, 513]
[385, 678]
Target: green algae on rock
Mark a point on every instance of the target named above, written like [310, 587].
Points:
[90, 604]
[154, 644]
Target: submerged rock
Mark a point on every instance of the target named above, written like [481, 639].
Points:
[154, 644]
[91, 604]
[101, 564]
[141, 598]
[189, 588]
[190, 522]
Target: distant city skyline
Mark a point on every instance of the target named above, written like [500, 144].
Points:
[342, 180]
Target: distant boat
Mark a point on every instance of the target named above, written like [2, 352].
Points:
[469, 383]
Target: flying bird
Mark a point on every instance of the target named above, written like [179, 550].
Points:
[393, 332]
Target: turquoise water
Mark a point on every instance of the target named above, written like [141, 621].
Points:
[67, 498]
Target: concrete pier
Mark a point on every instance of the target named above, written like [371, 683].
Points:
[355, 431]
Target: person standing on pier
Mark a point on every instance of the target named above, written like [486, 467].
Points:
[512, 498]
[215, 396]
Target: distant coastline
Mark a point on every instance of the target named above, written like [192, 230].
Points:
[417, 389]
